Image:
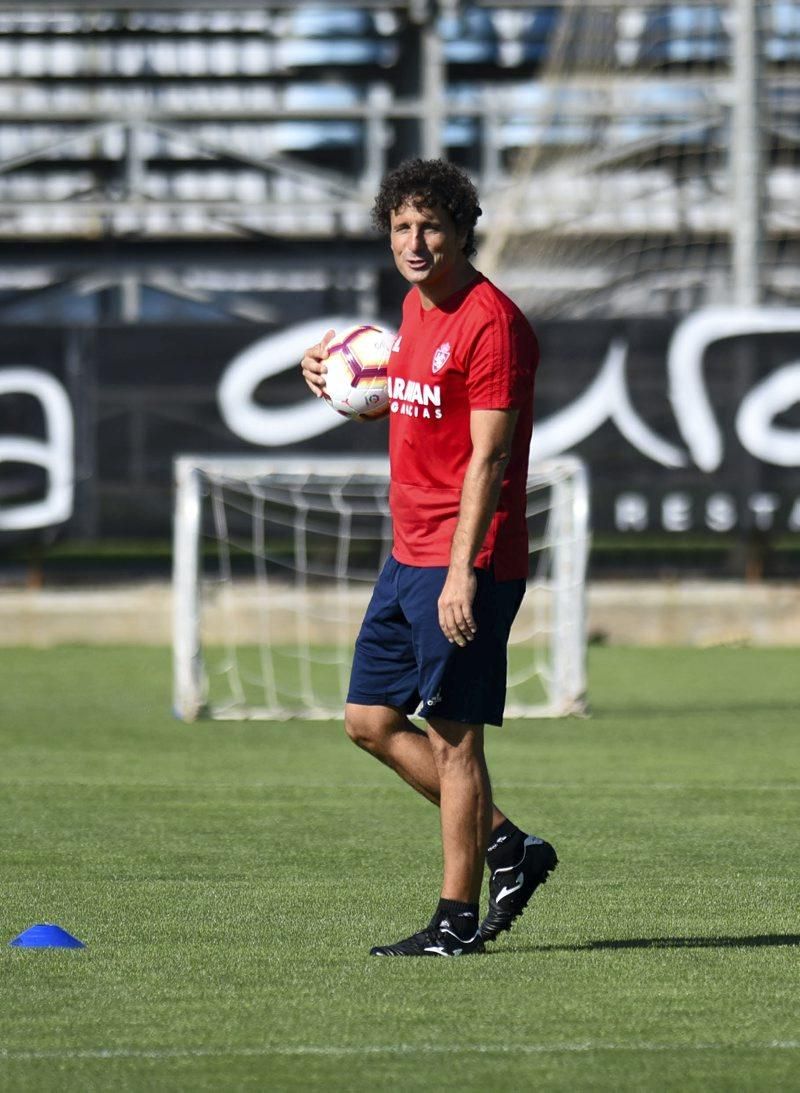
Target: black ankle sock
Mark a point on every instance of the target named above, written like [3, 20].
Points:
[505, 845]
[462, 917]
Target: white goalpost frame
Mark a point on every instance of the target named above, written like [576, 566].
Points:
[563, 676]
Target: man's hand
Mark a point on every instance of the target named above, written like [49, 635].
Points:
[455, 606]
[312, 365]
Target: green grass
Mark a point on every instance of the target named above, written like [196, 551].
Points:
[229, 879]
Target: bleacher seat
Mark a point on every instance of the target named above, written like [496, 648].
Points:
[673, 114]
[468, 37]
[316, 37]
[545, 115]
[524, 36]
[782, 37]
[684, 34]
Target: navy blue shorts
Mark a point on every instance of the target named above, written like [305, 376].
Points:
[403, 659]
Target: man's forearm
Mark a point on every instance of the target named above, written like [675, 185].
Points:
[491, 432]
[479, 497]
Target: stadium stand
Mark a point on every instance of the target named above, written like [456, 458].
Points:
[217, 130]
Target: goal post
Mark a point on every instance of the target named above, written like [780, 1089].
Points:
[274, 562]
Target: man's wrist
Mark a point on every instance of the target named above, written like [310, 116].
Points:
[460, 567]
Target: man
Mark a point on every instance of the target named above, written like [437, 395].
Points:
[435, 633]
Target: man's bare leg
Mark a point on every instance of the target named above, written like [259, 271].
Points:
[466, 806]
[447, 766]
[386, 733]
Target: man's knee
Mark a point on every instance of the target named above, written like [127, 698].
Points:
[454, 744]
[367, 726]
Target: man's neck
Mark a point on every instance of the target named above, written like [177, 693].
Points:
[433, 295]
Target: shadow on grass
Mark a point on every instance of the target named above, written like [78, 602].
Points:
[749, 942]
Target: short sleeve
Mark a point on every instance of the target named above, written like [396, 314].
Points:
[502, 364]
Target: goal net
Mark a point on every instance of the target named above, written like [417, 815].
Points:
[274, 564]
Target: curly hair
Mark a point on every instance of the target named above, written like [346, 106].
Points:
[425, 183]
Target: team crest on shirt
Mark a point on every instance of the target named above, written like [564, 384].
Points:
[441, 357]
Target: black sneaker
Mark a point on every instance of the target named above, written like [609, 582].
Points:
[511, 888]
[435, 941]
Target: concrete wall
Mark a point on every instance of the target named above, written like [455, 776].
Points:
[639, 613]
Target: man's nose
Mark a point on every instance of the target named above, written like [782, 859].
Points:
[417, 239]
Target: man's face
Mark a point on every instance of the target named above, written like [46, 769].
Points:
[426, 245]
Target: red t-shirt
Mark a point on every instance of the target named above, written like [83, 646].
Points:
[475, 351]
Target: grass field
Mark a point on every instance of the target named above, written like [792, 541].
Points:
[229, 879]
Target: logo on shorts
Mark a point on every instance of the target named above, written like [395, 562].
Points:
[441, 357]
[436, 699]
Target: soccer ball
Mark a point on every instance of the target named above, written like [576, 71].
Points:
[355, 383]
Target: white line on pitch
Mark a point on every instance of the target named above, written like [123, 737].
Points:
[333, 787]
[345, 1051]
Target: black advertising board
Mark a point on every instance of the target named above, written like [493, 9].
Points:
[687, 425]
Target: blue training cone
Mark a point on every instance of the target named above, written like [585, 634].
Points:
[46, 935]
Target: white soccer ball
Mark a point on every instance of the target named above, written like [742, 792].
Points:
[356, 384]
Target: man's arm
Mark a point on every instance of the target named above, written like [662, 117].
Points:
[491, 432]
